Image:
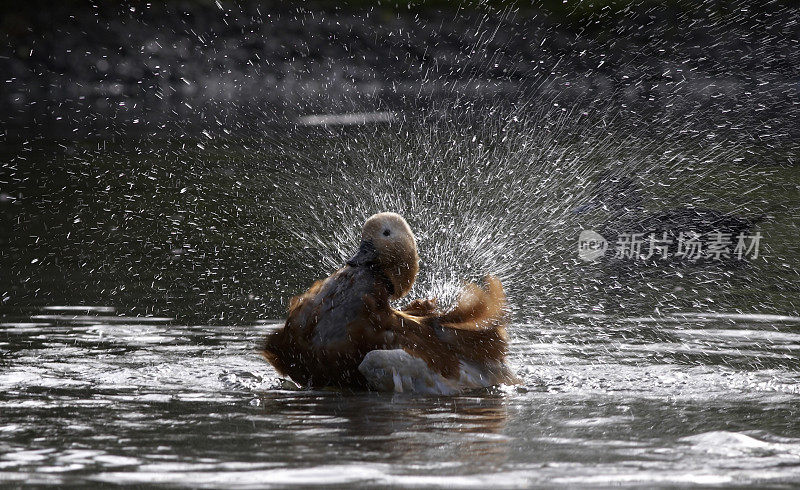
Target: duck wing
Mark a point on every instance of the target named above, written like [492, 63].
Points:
[470, 334]
[327, 332]
[420, 307]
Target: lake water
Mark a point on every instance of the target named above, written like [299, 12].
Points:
[188, 167]
[90, 397]
[633, 373]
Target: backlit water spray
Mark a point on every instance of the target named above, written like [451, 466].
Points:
[176, 171]
[497, 193]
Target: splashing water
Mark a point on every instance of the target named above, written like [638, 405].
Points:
[206, 225]
[641, 373]
[493, 193]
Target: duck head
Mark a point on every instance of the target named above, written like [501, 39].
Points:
[388, 244]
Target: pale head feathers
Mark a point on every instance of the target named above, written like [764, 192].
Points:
[395, 249]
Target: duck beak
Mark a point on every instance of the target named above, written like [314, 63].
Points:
[366, 255]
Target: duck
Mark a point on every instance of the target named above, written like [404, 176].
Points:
[344, 333]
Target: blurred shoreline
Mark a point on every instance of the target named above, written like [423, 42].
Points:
[78, 69]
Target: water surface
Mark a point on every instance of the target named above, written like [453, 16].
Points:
[89, 397]
[191, 167]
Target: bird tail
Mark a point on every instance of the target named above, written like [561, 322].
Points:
[478, 308]
[275, 349]
[476, 327]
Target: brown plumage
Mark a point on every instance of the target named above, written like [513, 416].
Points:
[347, 317]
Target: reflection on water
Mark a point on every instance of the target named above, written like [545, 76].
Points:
[88, 397]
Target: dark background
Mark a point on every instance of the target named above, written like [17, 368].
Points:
[138, 138]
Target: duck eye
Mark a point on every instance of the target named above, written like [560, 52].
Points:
[386, 232]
